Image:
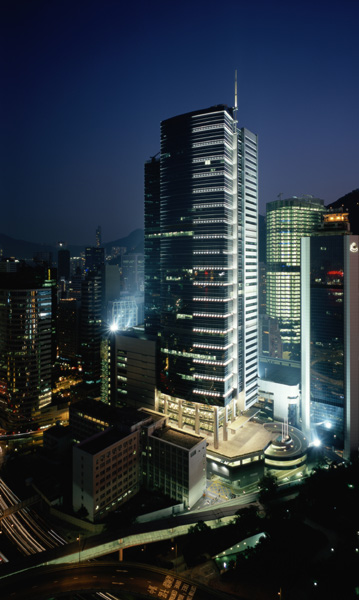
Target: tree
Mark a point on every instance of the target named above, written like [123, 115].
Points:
[269, 487]
[200, 528]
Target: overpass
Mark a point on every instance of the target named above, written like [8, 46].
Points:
[10, 510]
[90, 548]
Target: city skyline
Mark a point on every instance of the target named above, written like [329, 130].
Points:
[87, 85]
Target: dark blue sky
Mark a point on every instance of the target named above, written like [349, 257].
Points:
[85, 85]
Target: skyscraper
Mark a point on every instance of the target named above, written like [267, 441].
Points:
[91, 331]
[98, 236]
[91, 322]
[330, 335]
[152, 246]
[208, 268]
[63, 264]
[287, 221]
[94, 258]
[25, 348]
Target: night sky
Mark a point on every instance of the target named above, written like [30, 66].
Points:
[84, 86]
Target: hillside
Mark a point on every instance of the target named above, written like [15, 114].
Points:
[25, 250]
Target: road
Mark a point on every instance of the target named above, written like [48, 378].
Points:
[139, 580]
[25, 528]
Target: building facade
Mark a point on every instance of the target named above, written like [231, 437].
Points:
[132, 268]
[26, 348]
[174, 462]
[134, 355]
[91, 331]
[330, 338]
[106, 470]
[287, 221]
[68, 321]
[207, 269]
[152, 246]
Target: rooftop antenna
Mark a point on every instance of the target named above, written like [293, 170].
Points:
[235, 90]
[235, 108]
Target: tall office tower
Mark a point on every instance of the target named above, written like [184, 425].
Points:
[132, 267]
[94, 258]
[68, 328]
[91, 331]
[287, 221]
[152, 246]
[208, 261]
[330, 335]
[112, 283]
[98, 236]
[75, 283]
[63, 264]
[25, 348]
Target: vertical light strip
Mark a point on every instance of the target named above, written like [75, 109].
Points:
[305, 333]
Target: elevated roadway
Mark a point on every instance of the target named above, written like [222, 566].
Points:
[89, 548]
[122, 579]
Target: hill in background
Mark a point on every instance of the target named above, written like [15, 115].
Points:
[350, 202]
[21, 249]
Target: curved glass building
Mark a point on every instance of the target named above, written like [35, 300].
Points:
[287, 221]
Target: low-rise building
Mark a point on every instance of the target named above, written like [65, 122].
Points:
[89, 416]
[106, 472]
[174, 461]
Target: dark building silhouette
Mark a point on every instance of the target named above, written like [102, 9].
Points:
[68, 328]
[63, 264]
[94, 258]
[91, 331]
[152, 246]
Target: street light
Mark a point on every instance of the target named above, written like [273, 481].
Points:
[79, 541]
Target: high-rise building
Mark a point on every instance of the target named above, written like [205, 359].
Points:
[94, 258]
[63, 264]
[112, 283]
[287, 221]
[91, 331]
[25, 347]
[208, 284]
[92, 316]
[98, 236]
[152, 246]
[330, 335]
[132, 267]
[68, 328]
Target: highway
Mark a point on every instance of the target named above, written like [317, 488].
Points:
[25, 528]
[141, 581]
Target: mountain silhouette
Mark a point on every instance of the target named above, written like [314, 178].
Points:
[20, 249]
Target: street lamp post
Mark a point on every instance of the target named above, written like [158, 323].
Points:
[79, 541]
